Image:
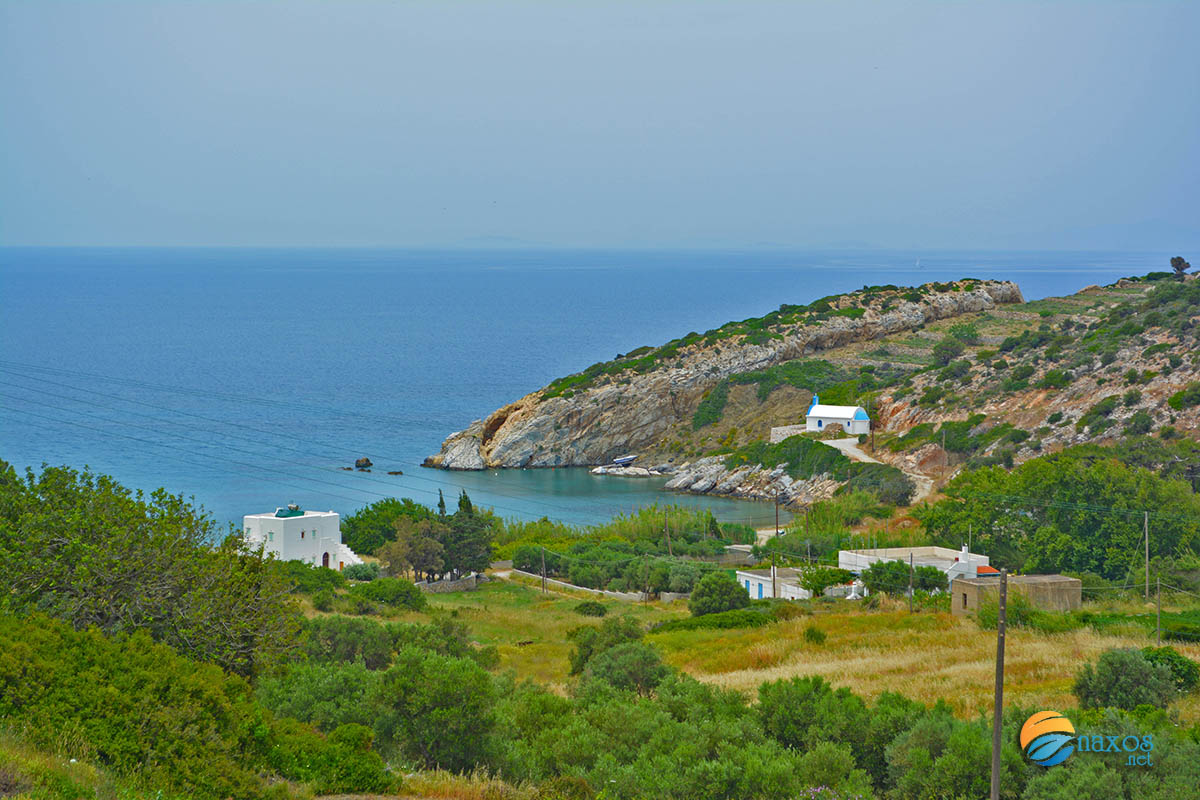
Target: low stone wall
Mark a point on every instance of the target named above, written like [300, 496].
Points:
[633, 596]
[671, 597]
[779, 434]
[467, 584]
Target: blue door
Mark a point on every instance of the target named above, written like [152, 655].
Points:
[747, 586]
[760, 591]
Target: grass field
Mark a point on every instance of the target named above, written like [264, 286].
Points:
[926, 656]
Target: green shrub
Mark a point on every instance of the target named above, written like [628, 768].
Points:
[367, 571]
[325, 695]
[391, 592]
[323, 600]
[591, 640]
[722, 620]
[591, 608]
[716, 592]
[814, 635]
[1141, 422]
[1185, 671]
[1124, 679]
[712, 407]
[632, 666]
[947, 350]
[1186, 397]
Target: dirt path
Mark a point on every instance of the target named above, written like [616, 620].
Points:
[850, 447]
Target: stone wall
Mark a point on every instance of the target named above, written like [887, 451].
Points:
[467, 584]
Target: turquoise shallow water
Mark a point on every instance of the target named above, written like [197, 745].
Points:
[248, 378]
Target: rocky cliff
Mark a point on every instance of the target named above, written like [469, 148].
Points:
[626, 406]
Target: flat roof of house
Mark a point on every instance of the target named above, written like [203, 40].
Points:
[927, 556]
[1028, 580]
[781, 573]
[307, 513]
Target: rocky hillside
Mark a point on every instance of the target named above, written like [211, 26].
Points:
[641, 401]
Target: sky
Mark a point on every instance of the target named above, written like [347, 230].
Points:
[978, 125]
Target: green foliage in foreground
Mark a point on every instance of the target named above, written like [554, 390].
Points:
[1125, 679]
[85, 549]
[139, 708]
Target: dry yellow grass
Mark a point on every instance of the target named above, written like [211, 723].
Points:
[926, 656]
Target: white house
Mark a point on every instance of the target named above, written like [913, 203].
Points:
[784, 583]
[853, 419]
[314, 537]
[955, 563]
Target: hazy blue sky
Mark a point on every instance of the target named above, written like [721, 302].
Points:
[926, 125]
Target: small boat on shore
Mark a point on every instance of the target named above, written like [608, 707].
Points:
[624, 461]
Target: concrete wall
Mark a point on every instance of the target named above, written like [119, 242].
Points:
[634, 596]
[966, 596]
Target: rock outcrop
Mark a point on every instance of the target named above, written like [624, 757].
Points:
[630, 410]
[710, 476]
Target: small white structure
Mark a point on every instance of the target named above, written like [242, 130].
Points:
[853, 419]
[314, 537]
[955, 563]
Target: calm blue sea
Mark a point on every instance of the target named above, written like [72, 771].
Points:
[247, 377]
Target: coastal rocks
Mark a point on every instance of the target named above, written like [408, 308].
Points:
[625, 472]
[363, 464]
[711, 476]
[631, 410]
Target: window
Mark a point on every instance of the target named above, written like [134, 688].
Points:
[271, 536]
[820, 423]
[747, 584]
[301, 534]
[964, 594]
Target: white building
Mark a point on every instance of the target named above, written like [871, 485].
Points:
[955, 563]
[784, 583]
[853, 419]
[314, 537]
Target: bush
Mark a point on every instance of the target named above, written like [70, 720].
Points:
[716, 592]
[435, 710]
[814, 635]
[1185, 398]
[367, 571]
[632, 666]
[391, 592]
[947, 350]
[591, 640]
[325, 695]
[722, 620]
[1185, 671]
[323, 600]
[590, 608]
[1124, 679]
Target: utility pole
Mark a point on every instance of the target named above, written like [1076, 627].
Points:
[1158, 611]
[777, 513]
[774, 587]
[806, 521]
[1146, 526]
[998, 713]
[543, 570]
[910, 583]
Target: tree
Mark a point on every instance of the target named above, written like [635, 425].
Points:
[818, 579]
[633, 666]
[1180, 266]
[1124, 679]
[890, 577]
[372, 526]
[716, 592]
[947, 350]
[591, 640]
[395, 556]
[436, 710]
[85, 549]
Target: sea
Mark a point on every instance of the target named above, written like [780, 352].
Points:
[250, 378]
